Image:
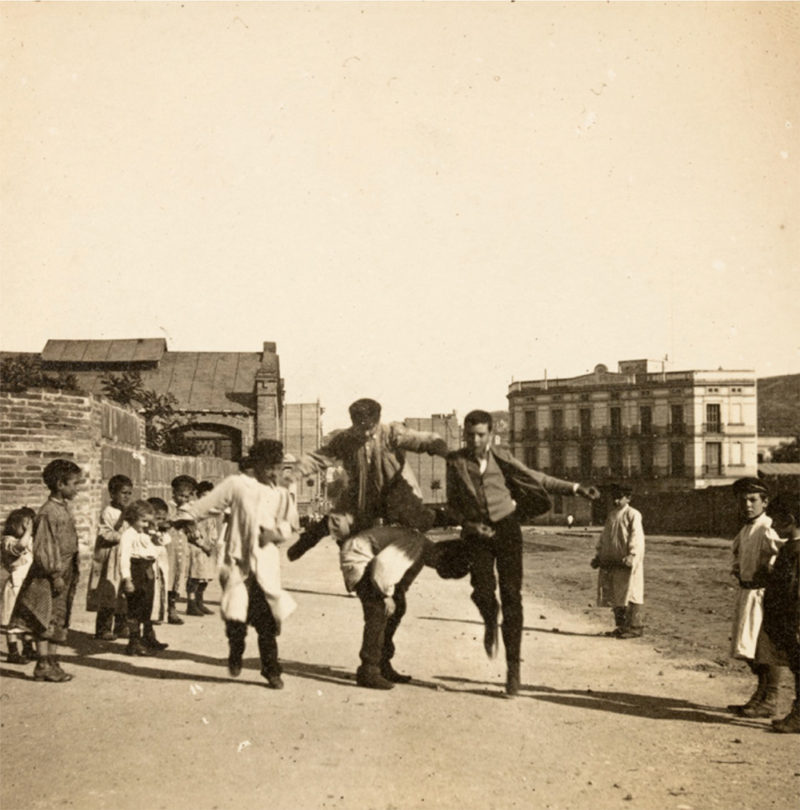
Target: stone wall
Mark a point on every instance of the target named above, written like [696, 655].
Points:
[102, 438]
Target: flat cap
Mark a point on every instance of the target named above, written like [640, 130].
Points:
[749, 484]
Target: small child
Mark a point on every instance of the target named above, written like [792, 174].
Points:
[620, 558]
[754, 550]
[138, 552]
[44, 603]
[16, 557]
[779, 639]
[184, 488]
[202, 559]
[162, 527]
[261, 514]
[104, 594]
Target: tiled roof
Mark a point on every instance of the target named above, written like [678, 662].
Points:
[134, 350]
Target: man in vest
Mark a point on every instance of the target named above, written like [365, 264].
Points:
[488, 493]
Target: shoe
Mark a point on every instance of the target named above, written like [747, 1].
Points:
[121, 632]
[613, 633]
[274, 681]
[371, 678]
[789, 724]
[136, 648]
[107, 636]
[152, 643]
[17, 658]
[764, 709]
[47, 669]
[391, 674]
[630, 632]
[234, 666]
[513, 680]
[490, 641]
[173, 617]
[193, 609]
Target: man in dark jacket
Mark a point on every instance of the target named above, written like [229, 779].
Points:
[488, 493]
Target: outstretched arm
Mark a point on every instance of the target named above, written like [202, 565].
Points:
[416, 441]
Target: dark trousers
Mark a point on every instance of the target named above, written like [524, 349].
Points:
[260, 617]
[377, 643]
[504, 551]
[140, 602]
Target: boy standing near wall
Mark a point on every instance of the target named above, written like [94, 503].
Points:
[184, 488]
[44, 604]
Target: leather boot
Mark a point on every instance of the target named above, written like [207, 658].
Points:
[756, 697]
[150, 641]
[634, 622]
[391, 674]
[47, 669]
[369, 676]
[791, 723]
[172, 610]
[513, 679]
[619, 622]
[201, 590]
[135, 646]
[769, 703]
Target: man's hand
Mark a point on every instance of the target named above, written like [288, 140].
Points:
[479, 529]
[389, 606]
[127, 585]
[57, 586]
[628, 561]
[267, 536]
[591, 493]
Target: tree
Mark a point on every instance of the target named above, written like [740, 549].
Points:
[787, 453]
[19, 373]
[162, 421]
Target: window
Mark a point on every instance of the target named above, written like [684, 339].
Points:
[615, 459]
[677, 459]
[529, 426]
[737, 454]
[735, 414]
[646, 459]
[616, 421]
[646, 419]
[531, 457]
[713, 458]
[586, 421]
[585, 460]
[557, 460]
[713, 419]
[676, 419]
[557, 421]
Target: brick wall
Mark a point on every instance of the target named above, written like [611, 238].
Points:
[102, 438]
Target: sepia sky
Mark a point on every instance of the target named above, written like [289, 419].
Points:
[417, 202]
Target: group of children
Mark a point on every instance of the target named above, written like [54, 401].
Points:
[146, 552]
[140, 563]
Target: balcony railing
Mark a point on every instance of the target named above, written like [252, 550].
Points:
[713, 471]
[713, 427]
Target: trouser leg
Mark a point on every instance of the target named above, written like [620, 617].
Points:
[236, 633]
[482, 577]
[374, 610]
[509, 574]
[104, 621]
[260, 617]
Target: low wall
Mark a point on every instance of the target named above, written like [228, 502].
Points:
[102, 438]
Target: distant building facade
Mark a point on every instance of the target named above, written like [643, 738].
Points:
[227, 399]
[431, 471]
[665, 431]
[302, 432]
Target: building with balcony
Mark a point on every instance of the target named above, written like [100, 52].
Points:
[431, 471]
[667, 431]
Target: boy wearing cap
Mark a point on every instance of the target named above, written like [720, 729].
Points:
[620, 559]
[262, 514]
[754, 550]
[779, 639]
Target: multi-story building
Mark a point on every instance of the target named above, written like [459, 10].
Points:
[431, 471]
[667, 430]
[302, 432]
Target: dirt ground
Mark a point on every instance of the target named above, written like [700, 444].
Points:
[599, 723]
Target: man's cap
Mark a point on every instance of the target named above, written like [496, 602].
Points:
[267, 451]
[749, 484]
